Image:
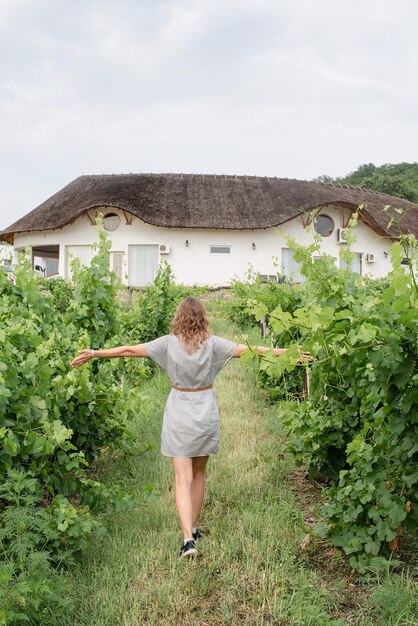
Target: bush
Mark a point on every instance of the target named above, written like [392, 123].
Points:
[61, 290]
[54, 418]
[54, 422]
[31, 587]
[358, 428]
[255, 301]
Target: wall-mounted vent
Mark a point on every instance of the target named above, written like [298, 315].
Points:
[220, 249]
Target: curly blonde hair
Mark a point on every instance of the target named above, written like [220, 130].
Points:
[191, 324]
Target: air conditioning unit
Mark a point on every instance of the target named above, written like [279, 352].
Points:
[340, 236]
[164, 248]
[370, 258]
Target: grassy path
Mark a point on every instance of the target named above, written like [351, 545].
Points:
[249, 569]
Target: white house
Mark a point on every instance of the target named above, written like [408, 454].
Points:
[210, 228]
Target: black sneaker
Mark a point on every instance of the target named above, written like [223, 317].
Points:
[188, 549]
[197, 535]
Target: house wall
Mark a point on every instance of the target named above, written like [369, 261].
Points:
[194, 264]
[367, 241]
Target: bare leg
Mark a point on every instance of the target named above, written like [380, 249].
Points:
[183, 470]
[198, 485]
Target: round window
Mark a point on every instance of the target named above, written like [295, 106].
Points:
[111, 221]
[324, 225]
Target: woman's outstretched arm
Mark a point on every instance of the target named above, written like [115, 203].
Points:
[121, 351]
[241, 348]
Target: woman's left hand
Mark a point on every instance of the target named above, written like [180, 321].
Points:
[85, 355]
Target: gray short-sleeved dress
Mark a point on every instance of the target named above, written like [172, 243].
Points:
[191, 419]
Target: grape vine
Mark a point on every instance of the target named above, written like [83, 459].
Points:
[55, 420]
[358, 429]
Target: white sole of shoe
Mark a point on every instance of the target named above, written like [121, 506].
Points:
[188, 553]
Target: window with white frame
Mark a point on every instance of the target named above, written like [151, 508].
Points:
[290, 268]
[220, 249]
[116, 263]
[143, 264]
[355, 265]
[51, 267]
[83, 253]
[111, 221]
[324, 225]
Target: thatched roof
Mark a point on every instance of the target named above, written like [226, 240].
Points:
[207, 201]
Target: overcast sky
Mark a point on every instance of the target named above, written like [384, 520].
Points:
[288, 88]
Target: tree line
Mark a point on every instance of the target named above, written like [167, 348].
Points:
[395, 179]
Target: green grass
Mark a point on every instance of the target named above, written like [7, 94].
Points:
[250, 569]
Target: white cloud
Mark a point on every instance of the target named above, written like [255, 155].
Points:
[287, 88]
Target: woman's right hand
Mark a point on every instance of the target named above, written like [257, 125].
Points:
[305, 356]
[85, 355]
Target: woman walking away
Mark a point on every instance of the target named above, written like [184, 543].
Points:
[192, 357]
